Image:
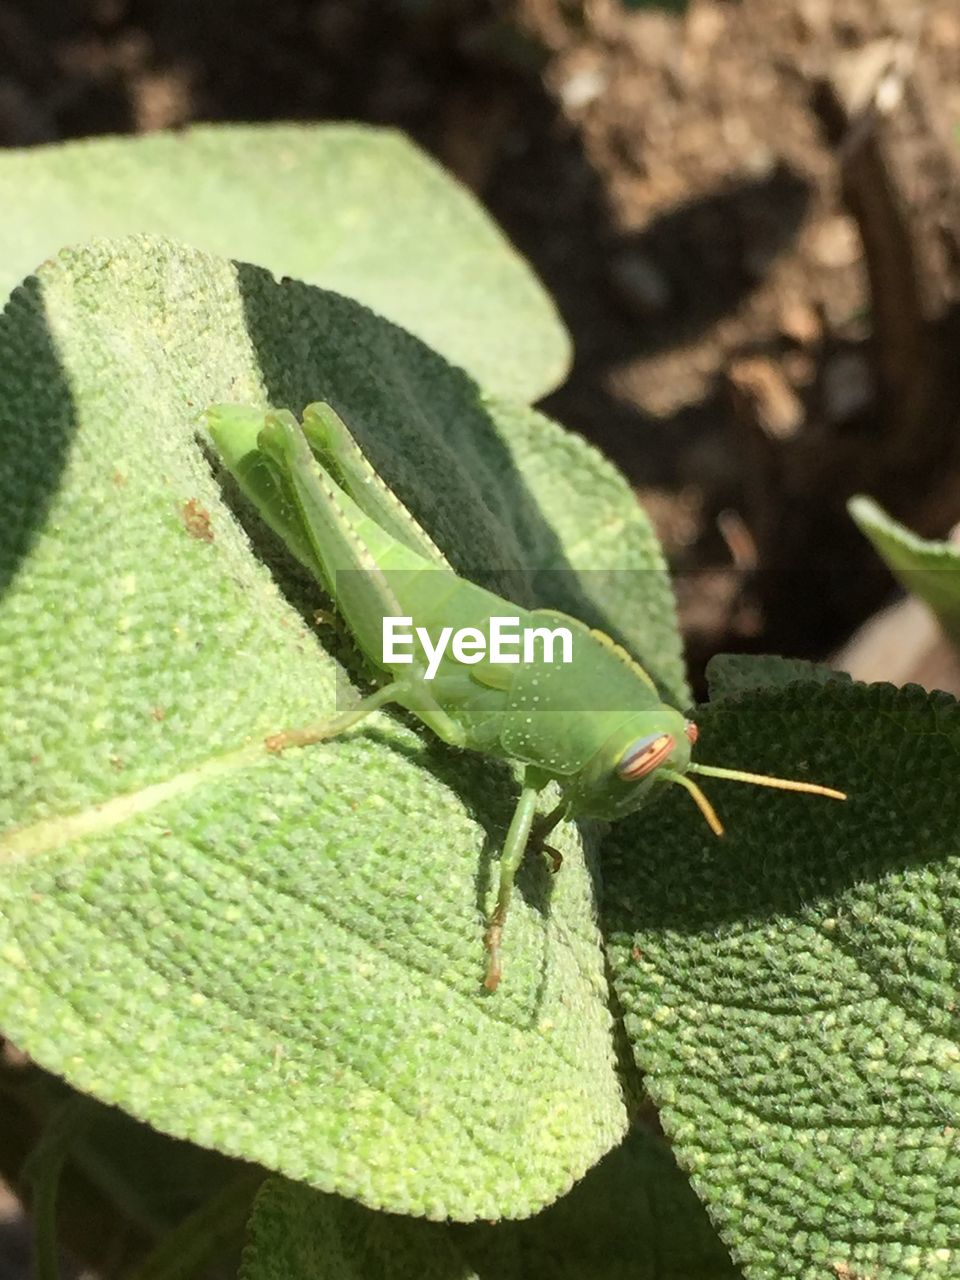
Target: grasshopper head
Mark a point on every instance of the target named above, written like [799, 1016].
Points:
[647, 747]
[654, 746]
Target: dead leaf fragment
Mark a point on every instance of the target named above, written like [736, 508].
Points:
[196, 520]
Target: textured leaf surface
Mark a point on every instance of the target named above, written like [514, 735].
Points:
[729, 674]
[791, 990]
[633, 1217]
[278, 957]
[358, 210]
[929, 570]
[299, 1234]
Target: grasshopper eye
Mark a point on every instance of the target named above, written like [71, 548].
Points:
[644, 755]
[692, 732]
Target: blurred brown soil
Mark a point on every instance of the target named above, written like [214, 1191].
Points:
[672, 180]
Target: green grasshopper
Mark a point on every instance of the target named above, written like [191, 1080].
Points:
[595, 725]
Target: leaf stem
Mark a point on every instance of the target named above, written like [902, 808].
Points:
[203, 1234]
[42, 1170]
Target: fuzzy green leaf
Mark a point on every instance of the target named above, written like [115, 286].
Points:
[929, 570]
[633, 1217]
[280, 957]
[355, 209]
[299, 1234]
[729, 674]
[790, 990]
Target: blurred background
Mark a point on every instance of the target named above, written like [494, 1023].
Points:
[748, 212]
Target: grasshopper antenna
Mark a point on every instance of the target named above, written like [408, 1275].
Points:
[739, 775]
[701, 801]
[763, 780]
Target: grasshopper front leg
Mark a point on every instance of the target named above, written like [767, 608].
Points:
[542, 828]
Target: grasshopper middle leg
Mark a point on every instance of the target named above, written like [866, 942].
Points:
[522, 829]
